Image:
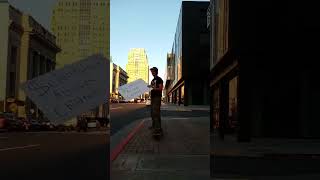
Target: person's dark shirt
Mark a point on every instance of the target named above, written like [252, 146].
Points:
[156, 82]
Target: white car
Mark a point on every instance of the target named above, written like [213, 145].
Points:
[148, 102]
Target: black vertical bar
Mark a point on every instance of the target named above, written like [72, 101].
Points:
[223, 109]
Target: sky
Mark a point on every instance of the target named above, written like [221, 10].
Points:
[40, 10]
[149, 24]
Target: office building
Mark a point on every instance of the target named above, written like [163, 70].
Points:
[28, 50]
[188, 61]
[119, 78]
[82, 28]
[137, 66]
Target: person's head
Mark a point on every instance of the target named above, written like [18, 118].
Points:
[154, 71]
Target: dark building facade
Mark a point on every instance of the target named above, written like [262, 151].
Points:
[267, 50]
[188, 62]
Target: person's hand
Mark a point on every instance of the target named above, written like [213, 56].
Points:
[149, 86]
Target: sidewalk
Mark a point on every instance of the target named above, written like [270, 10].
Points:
[264, 147]
[181, 154]
[266, 158]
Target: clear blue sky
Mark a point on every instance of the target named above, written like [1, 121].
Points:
[149, 24]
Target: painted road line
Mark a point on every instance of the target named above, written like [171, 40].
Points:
[19, 147]
[118, 149]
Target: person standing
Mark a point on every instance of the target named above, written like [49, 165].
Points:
[156, 95]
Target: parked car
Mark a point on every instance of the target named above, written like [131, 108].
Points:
[10, 122]
[47, 126]
[25, 123]
[115, 101]
[35, 125]
[82, 124]
[92, 122]
[15, 125]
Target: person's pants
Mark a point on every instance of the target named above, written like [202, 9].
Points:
[155, 112]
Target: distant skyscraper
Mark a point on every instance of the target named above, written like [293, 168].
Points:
[138, 66]
[82, 28]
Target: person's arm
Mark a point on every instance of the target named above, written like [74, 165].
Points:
[159, 88]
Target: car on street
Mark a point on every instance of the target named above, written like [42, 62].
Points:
[115, 101]
[92, 123]
[82, 124]
[47, 126]
[35, 125]
[10, 122]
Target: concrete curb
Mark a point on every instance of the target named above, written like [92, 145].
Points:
[119, 140]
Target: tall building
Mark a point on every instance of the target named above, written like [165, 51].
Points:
[189, 60]
[138, 66]
[82, 28]
[27, 51]
[119, 77]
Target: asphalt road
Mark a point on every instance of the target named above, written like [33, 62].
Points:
[54, 156]
[122, 114]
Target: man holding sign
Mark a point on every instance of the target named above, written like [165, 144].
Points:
[156, 94]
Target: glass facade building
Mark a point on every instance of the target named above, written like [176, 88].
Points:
[188, 62]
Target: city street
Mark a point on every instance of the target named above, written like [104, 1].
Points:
[122, 114]
[54, 155]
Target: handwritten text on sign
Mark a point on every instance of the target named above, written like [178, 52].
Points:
[72, 90]
[134, 89]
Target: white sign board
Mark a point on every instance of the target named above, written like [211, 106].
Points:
[134, 89]
[72, 90]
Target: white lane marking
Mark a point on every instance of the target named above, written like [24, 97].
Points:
[19, 147]
[117, 107]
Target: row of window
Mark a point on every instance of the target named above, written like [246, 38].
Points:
[81, 4]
